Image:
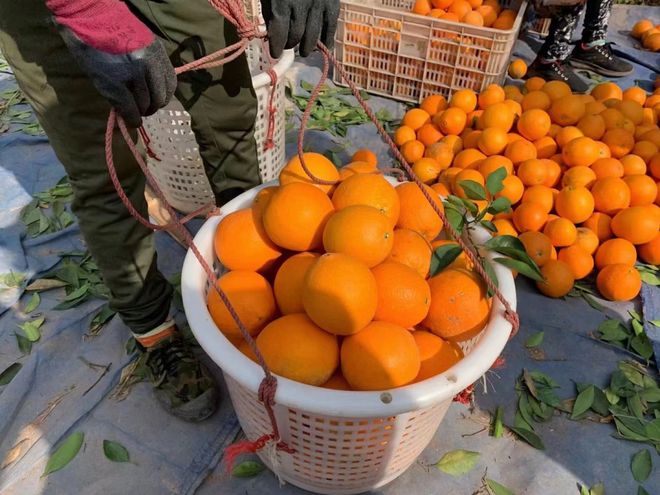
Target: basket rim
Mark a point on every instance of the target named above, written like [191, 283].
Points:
[282, 65]
[327, 402]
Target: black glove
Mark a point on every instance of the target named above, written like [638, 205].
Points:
[300, 22]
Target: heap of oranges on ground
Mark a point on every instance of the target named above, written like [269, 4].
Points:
[582, 172]
[333, 281]
[647, 34]
[487, 13]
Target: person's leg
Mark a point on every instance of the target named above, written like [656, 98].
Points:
[221, 100]
[74, 116]
[594, 52]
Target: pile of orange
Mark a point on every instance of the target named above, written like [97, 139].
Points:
[647, 34]
[583, 172]
[487, 13]
[333, 280]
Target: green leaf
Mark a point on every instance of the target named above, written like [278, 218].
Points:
[524, 409]
[650, 394]
[512, 247]
[9, 373]
[115, 451]
[473, 190]
[499, 205]
[454, 217]
[652, 430]
[597, 489]
[247, 469]
[636, 407]
[79, 292]
[495, 488]
[655, 323]
[443, 256]
[641, 465]
[631, 373]
[650, 278]
[528, 436]
[520, 267]
[600, 404]
[583, 402]
[33, 303]
[65, 453]
[642, 491]
[12, 279]
[494, 181]
[490, 271]
[642, 346]
[490, 226]
[612, 330]
[458, 462]
[31, 329]
[498, 426]
[584, 490]
[534, 340]
[24, 345]
[101, 318]
[42, 284]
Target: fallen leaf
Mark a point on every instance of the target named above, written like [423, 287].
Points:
[33, 303]
[495, 488]
[641, 465]
[247, 469]
[9, 373]
[65, 453]
[458, 462]
[528, 436]
[115, 451]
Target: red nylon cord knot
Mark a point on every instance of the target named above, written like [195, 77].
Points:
[267, 390]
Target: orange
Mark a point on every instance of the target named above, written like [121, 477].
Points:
[441, 189]
[474, 119]
[537, 245]
[493, 163]
[365, 155]
[428, 134]
[411, 249]
[611, 194]
[545, 147]
[441, 4]
[582, 151]
[603, 150]
[567, 110]
[578, 176]
[613, 118]
[412, 150]
[636, 94]
[404, 134]
[536, 99]
[514, 106]
[594, 107]
[637, 224]
[643, 190]
[261, 200]
[553, 172]
[534, 84]
[339, 294]
[416, 212]
[296, 216]
[505, 227]
[600, 224]
[404, 296]
[633, 165]
[619, 282]
[441, 153]
[465, 99]
[241, 242]
[490, 96]
[359, 231]
[447, 176]
[607, 167]
[592, 126]
[606, 91]
[520, 150]
[532, 172]
[513, 189]
[562, 232]
[587, 240]
[465, 175]
[513, 92]
[251, 297]
[567, 134]
[426, 169]
[317, 164]
[371, 190]
[654, 166]
[488, 13]
[529, 216]
[620, 142]
[422, 7]
[492, 141]
[460, 8]
[534, 124]
[433, 104]
[380, 357]
[652, 135]
[355, 168]
[498, 115]
[558, 279]
[289, 282]
[459, 306]
[415, 118]
[574, 203]
[616, 251]
[631, 110]
[517, 69]
[645, 150]
[504, 21]
[640, 28]
[468, 158]
[652, 42]
[557, 89]
[337, 382]
[450, 16]
[474, 18]
[295, 348]
[579, 261]
[650, 251]
[470, 138]
[454, 142]
[451, 121]
[436, 354]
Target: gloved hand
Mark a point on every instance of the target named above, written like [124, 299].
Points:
[125, 61]
[303, 22]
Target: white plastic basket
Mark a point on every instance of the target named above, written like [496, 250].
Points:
[180, 171]
[345, 442]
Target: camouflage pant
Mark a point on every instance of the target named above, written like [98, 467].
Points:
[557, 45]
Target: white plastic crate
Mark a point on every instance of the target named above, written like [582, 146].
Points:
[541, 26]
[388, 50]
[345, 442]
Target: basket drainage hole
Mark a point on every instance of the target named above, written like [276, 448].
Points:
[386, 397]
[452, 378]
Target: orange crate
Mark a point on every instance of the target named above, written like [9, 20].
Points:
[390, 51]
[541, 26]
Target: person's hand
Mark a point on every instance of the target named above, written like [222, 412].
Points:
[300, 22]
[124, 60]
